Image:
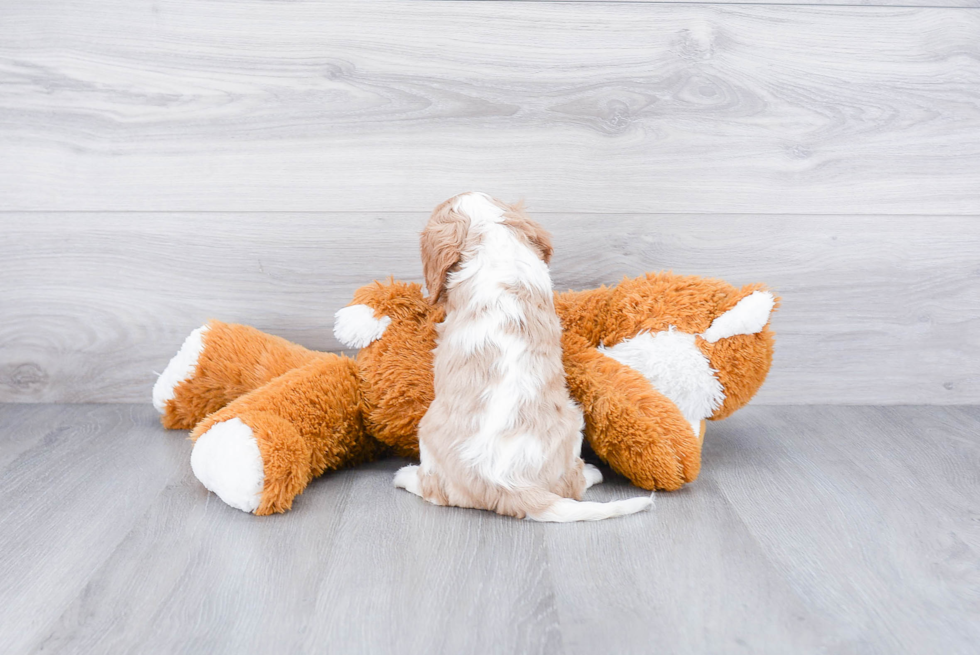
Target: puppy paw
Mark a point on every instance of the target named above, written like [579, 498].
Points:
[593, 476]
[226, 459]
[407, 478]
[180, 369]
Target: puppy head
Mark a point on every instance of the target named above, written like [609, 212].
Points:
[471, 214]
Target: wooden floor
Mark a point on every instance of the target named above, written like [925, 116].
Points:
[811, 529]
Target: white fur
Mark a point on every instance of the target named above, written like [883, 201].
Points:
[356, 327]
[226, 459]
[593, 476]
[748, 316]
[180, 368]
[674, 365]
[425, 462]
[567, 510]
[407, 478]
[501, 261]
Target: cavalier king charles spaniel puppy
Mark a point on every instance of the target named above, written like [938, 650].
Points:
[502, 433]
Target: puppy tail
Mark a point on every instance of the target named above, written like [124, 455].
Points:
[556, 509]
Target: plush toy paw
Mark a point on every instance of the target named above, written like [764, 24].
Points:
[226, 459]
[180, 369]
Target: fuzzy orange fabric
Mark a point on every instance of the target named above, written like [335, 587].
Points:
[237, 360]
[656, 301]
[312, 412]
[397, 369]
[628, 423]
[305, 421]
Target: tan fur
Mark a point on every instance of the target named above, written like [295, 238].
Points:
[463, 380]
[533, 234]
[441, 246]
[631, 426]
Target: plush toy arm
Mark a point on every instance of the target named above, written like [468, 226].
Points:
[739, 345]
[218, 363]
[261, 450]
[632, 427]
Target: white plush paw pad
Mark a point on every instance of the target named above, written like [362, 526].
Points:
[356, 327]
[226, 459]
[407, 478]
[748, 316]
[593, 476]
[180, 368]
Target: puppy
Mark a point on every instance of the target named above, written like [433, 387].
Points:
[502, 433]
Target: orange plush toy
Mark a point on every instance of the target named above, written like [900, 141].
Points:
[649, 360]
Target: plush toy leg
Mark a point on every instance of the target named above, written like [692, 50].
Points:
[261, 450]
[218, 363]
[632, 427]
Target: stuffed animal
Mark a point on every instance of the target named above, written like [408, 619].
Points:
[648, 360]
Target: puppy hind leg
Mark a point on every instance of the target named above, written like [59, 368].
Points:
[407, 478]
[573, 482]
[593, 476]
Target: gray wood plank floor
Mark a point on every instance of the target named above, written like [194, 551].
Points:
[811, 529]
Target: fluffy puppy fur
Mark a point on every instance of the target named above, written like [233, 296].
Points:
[502, 433]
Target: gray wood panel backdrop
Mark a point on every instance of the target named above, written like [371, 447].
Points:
[169, 161]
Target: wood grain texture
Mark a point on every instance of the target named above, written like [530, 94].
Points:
[875, 309]
[835, 3]
[831, 527]
[811, 529]
[876, 521]
[252, 105]
[75, 482]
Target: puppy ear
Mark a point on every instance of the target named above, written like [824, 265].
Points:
[540, 238]
[537, 236]
[441, 245]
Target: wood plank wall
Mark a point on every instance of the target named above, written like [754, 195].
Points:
[164, 162]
